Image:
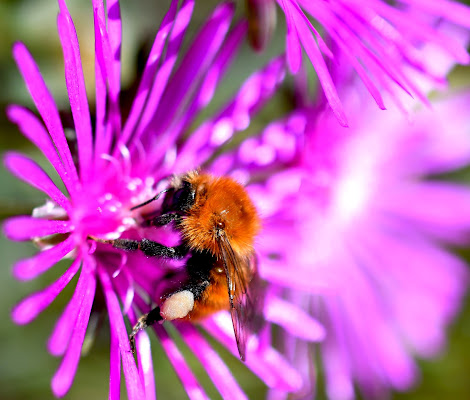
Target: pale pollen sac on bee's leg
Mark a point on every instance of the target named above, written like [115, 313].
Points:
[178, 305]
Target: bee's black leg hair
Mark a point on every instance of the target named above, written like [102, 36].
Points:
[143, 322]
[163, 219]
[150, 248]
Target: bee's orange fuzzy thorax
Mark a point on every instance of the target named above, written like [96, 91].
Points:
[222, 207]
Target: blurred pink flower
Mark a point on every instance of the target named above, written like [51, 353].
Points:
[380, 40]
[353, 232]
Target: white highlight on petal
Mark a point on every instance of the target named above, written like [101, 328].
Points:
[351, 197]
[170, 156]
[49, 210]
[221, 131]
[143, 344]
[178, 305]
[358, 179]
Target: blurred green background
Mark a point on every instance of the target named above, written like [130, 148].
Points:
[25, 366]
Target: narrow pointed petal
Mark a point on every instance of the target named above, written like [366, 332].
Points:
[65, 374]
[45, 105]
[114, 367]
[114, 37]
[115, 33]
[267, 363]
[26, 228]
[161, 79]
[109, 122]
[220, 65]
[34, 131]
[192, 387]
[212, 363]
[125, 288]
[234, 117]
[144, 359]
[204, 93]
[293, 49]
[76, 90]
[338, 374]
[150, 69]
[29, 308]
[324, 76]
[100, 145]
[288, 316]
[30, 268]
[353, 51]
[58, 342]
[193, 67]
[134, 387]
[413, 27]
[30, 172]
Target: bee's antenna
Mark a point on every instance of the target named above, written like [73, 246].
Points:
[149, 201]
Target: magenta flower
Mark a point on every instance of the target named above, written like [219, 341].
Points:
[381, 41]
[352, 235]
[114, 165]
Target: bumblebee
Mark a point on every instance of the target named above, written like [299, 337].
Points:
[218, 224]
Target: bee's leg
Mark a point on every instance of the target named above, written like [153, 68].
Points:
[150, 248]
[143, 322]
[163, 219]
[154, 249]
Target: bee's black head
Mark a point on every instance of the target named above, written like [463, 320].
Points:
[179, 199]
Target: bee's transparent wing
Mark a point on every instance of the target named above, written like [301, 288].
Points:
[239, 272]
